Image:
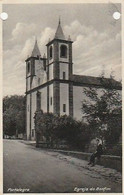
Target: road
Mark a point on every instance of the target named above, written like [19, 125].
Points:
[38, 171]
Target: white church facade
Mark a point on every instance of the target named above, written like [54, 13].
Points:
[51, 84]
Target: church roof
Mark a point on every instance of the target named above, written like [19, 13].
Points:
[59, 32]
[36, 51]
[97, 81]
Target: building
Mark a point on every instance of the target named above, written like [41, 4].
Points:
[51, 84]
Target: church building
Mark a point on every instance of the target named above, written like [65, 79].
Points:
[51, 84]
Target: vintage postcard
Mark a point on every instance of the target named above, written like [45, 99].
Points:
[61, 86]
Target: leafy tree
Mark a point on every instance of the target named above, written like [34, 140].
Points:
[20, 121]
[69, 130]
[102, 110]
[13, 115]
[44, 126]
[56, 129]
[14, 101]
[9, 122]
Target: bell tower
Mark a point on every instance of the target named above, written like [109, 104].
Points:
[60, 70]
[35, 70]
[59, 56]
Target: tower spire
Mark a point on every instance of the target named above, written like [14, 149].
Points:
[59, 32]
[36, 51]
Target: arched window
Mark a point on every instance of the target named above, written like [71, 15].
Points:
[51, 52]
[28, 67]
[63, 51]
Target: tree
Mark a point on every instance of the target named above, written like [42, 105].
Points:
[20, 121]
[56, 129]
[69, 129]
[44, 125]
[14, 115]
[103, 111]
[9, 122]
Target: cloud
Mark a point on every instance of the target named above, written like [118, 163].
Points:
[22, 31]
[14, 58]
[27, 48]
[91, 51]
[46, 35]
[43, 39]
[76, 29]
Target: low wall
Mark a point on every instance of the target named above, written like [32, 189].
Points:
[108, 161]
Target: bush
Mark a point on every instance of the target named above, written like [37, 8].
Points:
[115, 150]
[55, 129]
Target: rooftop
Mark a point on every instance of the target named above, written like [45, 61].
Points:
[97, 81]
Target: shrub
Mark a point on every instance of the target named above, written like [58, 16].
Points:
[56, 129]
[115, 150]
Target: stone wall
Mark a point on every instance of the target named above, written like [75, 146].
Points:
[109, 161]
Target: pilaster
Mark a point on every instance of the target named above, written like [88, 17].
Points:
[70, 61]
[56, 97]
[56, 61]
[71, 99]
[47, 98]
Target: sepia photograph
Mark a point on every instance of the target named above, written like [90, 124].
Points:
[62, 97]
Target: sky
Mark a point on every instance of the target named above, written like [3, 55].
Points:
[96, 37]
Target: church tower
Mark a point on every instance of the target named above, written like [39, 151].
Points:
[49, 85]
[35, 76]
[59, 70]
